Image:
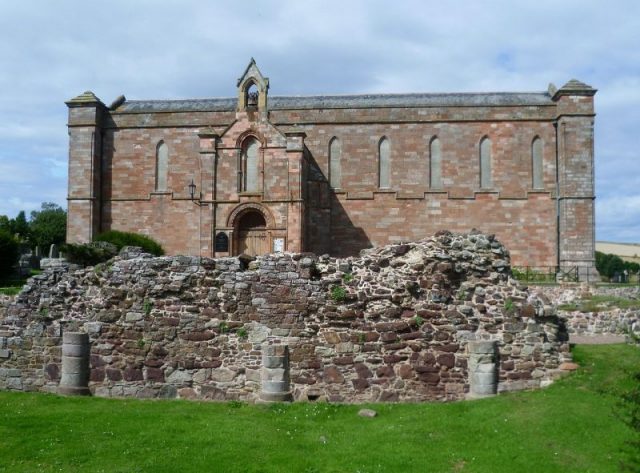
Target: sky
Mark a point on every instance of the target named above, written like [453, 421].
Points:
[51, 51]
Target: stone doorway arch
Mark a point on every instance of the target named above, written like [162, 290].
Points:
[252, 234]
[252, 226]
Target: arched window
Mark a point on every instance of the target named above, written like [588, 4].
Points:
[250, 163]
[536, 163]
[485, 163]
[335, 165]
[162, 166]
[435, 164]
[384, 163]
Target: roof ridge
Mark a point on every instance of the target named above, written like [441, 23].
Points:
[395, 94]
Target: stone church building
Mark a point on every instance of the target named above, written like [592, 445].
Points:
[336, 174]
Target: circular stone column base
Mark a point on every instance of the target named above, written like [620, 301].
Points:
[275, 397]
[73, 391]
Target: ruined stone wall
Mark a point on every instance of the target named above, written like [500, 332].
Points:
[391, 325]
[606, 320]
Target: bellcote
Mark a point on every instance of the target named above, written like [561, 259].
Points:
[252, 89]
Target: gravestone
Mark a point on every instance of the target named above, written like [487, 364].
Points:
[53, 251]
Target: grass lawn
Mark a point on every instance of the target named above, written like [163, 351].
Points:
[11, 287]
[570, 427]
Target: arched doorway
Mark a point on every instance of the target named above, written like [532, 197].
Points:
[252, 234]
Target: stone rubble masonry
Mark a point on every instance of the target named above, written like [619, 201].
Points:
[392, 324]
[112, 166]
[606, 321]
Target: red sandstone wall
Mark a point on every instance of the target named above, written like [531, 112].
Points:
[130, 162]
[363, 216]
[511, 147]
[525, 227]
[359, 215]
[175, 224]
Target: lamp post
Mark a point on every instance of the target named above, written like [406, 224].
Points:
[192, 190]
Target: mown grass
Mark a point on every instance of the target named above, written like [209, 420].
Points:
[9, 289]
[570, 427]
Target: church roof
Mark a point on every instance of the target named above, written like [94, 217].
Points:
[347, 101]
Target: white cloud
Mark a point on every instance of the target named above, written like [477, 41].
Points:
[53, 51]
[619, 218]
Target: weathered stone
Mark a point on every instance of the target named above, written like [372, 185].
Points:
[154, 374]
[132, 374]
[388, 396]
[258, 333]
[447, 359]
[179, 377]
[52, 371]
[333, 375]
[252, 375]
[198, 336]
[114, 374]
[363, 370]
[212, 392]
[187, 393]
[331, 337]
[223, 375]
[385, 371]
[346, 347]
[429, 378]
[360, 384]
[134, 316]
[367, 413]
[405, 371]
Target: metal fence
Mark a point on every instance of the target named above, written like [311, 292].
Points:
[545, 274]
[553, 274]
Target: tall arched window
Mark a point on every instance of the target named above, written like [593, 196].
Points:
[162, 166]
[335, 165]
[435, 164]
[536, 163]
[485, 163]
[384, 163]
[250, 163]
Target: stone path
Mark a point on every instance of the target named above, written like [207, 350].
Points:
[597, 339]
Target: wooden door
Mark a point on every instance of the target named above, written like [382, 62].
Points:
[253, 242]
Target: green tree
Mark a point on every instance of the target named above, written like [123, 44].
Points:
[608, 265]
[9, 253]
[631, 266]
[5, 224]
[20, 227]
[48, 225]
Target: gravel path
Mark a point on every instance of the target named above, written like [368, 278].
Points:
[597, 339]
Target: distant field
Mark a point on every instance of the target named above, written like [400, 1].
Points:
[570, 427]
[627, 251]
